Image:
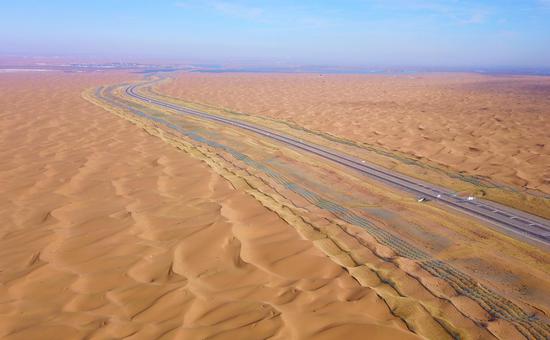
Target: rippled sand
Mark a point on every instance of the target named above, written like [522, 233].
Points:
[490, 126]
[108, 232]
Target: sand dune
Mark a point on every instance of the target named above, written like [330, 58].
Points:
[108, 232]
[433, 298]
[489, 126]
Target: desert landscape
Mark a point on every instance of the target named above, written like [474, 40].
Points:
[124, 220]
[110, 233]
[490, 126]
[486, 283]
[235, 169]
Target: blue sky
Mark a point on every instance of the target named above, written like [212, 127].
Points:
[362, 32]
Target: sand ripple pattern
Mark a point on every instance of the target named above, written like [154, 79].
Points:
[110, 233]
[497, 306]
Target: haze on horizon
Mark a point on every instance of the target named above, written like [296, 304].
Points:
[449, 33]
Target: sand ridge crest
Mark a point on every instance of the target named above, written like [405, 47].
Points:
[111, 233]
[411, 310]
[236, 176]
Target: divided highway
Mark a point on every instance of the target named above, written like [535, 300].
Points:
[512, 221]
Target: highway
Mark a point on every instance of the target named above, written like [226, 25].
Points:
[511, 221]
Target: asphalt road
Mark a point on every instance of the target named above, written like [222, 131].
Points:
[511, 221]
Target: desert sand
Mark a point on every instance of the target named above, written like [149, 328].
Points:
[108, 232]
[491, 126]
[486, 284]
